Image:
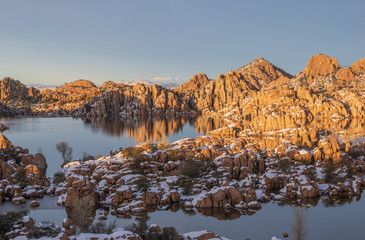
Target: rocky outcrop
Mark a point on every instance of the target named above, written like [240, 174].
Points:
[11, 89]
[195, 84]
[261, 72]
[209, 172]
[320, 65]
[4, 142]
[358, 67]
[256, 93]
[79, 90]
[139, 100]
[22, 175]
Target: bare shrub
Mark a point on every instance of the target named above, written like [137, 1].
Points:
[65, 151]
[58, 177]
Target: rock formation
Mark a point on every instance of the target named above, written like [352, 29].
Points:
[320, 65]
[260, 73]
[11, 89]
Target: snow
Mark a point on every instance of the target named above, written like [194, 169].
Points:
[275, 238]
[303, 152]
[195, 235]
[260, 194]
[308, 187]
[270, 174]
[123, 188]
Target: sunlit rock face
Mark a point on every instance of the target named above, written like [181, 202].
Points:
[320, 65]
[358, 67]
[11, 89]
[259, 97]
[4, 142]
[261, 73]
[197, 82]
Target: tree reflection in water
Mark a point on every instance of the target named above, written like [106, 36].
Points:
[299, 222]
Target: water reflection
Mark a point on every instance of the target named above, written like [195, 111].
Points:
[153, 130]
[273, 218]
[298, 225]
[350, 126]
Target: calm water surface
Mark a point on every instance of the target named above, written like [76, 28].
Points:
[98, 136]
[345, 221]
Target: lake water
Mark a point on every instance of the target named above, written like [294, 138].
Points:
[341, 221]
[97, 136]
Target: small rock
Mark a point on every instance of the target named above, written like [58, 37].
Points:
[34, 204]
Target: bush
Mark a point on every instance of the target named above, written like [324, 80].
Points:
[7, 221]
[135, 165]
[58, 177]
[21, 177]
[87, 107]
[311, 174]
[191, 168]
[86, 156]
[350, 170]
[186, 184]
[44, 229]
[103, 227]
[11, 153]
[151, 148]
[142, 229]
[65, 151]
[163, 146]
[173, 155]
[142, 184]
[166, 233]
[354, 153]
[132, 152]
[330, 174]
[284, 165]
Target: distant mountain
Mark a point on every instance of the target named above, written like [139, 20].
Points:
[167, 82]
[41, 86]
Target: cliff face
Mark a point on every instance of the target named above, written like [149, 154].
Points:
[139, 100]
[197, 82]
[358, 67]
[11, 89]
[258, 96]
[260, 73]
[80, 90]
[320, 65]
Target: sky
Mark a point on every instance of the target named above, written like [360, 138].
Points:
[53, 42]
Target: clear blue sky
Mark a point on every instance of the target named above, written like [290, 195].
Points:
[53, 42]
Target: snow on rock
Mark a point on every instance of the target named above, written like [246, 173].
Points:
[204, 234]
[275, 238]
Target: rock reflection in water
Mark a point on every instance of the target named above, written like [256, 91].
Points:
[154, 130]
[223, 214]
[350, 126]
[231, 213]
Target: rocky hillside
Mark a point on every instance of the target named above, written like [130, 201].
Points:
[260, 72]
[258, 96]
[11, 89]
[139, 100]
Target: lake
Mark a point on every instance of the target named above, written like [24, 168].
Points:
[97, 136]
[343, 220]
